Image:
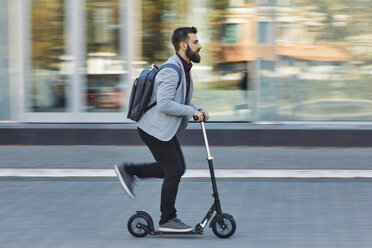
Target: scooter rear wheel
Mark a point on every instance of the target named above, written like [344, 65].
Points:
[223, 226]
[138, 225]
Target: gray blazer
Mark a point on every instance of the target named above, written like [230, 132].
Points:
[171, 113]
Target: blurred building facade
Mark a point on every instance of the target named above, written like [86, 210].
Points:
[262, 60]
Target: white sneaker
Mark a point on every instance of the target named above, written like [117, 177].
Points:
[125, 180]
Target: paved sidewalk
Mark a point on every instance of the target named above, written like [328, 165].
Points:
[280, 213]
[224, 157]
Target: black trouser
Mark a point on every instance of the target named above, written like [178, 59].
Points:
[169, 165]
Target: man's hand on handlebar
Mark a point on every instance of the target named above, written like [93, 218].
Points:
[201, 115]
[205, 113]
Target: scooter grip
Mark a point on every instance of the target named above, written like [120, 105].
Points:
[196, 118]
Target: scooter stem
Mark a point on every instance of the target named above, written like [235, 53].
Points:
[206, 141]
[217, 205]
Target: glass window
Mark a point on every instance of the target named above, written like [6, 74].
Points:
[47, 85]
[325, 69]
[230, 33]
[310, 60]
[224, 78]
[104, 66]
[263, 31]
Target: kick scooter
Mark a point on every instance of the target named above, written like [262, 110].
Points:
[223, 224]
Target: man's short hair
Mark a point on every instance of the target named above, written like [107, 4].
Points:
[180, 34]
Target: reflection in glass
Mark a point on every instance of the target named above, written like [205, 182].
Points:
[300, 59]
[48, 82]
[325, 53]
[262, 60]
[103, 63]
[223, 79]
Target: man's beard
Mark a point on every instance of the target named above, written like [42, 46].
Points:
[192, 55]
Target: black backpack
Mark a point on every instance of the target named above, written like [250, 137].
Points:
[142, 90]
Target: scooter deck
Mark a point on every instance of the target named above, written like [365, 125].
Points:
[157, 232]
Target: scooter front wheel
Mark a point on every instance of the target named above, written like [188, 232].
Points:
[223, 225]
[139, 225]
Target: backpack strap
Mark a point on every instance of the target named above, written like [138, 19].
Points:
[168, 65]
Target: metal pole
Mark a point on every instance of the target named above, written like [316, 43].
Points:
[217, 203]
[206, 141]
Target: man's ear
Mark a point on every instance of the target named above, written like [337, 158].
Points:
[183, 45]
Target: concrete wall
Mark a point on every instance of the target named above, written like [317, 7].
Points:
[4, 75]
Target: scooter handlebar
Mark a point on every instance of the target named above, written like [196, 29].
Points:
[197, 118]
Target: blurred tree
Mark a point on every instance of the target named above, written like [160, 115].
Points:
[345, 21]
[102, 26]
[216, 16]
[48, 34]
[342, 18]
[220, 4]
[155, 40]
